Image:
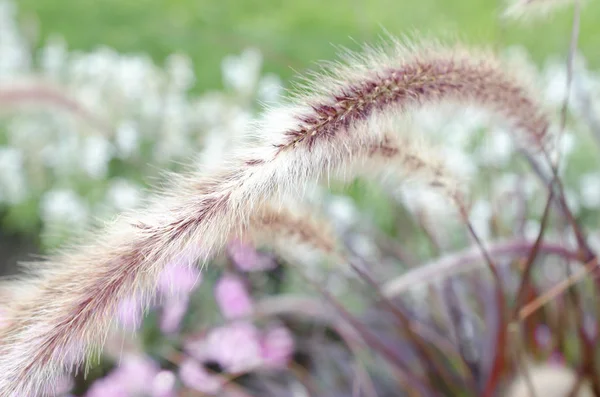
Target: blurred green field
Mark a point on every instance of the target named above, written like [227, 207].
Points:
[291, 34]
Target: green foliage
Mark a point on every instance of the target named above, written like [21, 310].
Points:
[291, 34]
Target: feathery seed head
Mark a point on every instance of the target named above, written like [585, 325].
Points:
[381, 83]
[68, 306]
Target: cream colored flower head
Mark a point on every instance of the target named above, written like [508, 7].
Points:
[548, 381]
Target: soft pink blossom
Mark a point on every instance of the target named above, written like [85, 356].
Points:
[235, 347]
[247, 259]
[107, 386]
[277, 346]
[196, 377]
[130, 313]
[178, 278]
[232, 297]
[173, 312]
[137, 372]
[134, 376]
[62, 386]
[176, 283]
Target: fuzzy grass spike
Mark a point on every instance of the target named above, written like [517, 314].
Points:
[71, 298]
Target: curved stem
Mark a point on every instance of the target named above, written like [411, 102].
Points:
[470, 259]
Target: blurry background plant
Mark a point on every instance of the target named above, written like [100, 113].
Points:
[83, 133]
[412, 308]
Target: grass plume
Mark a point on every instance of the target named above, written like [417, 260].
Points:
[71, 297]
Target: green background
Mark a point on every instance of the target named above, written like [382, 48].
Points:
[292, 34]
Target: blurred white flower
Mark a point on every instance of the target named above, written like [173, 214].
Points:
[123, 195]
[54, 57]
[241, 73]
[555, 79]
[15, 56]
[127, 138]
[92, 69]
[459, 163]
[456, 127]
[430, 121]
[132, 74]
[505, 183]
[364, 246]
[480, 217]
[342, 211]
[164, 384]
[531, 186]
[61, 155]
[215, 146]
[270, 89]
[531, 229]
[121, 105]
[238, 121]
[210, 108]
[573, 201]
[13, 185]
[96, 153]
[589, 188]
[423, 198]
[497, 148]
[25, 132]
[594, 240]
[63, 206]
[220, 139]
[181, 71]
[90, 96]
[564, 147]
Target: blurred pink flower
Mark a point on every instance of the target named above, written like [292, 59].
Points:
[195, 376]
[277, 346]
[173, 311]
[247, 259]
[179, 279]
[70, 354]
[106, 387]
[176, 283]
[130, 314]
[234, 347]
[134, 376]
[232, 297]
[137, 372]
[61, 388]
